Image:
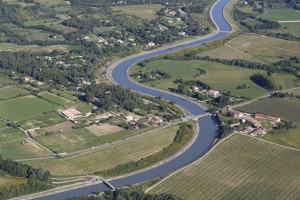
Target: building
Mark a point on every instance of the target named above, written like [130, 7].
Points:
[246, 130]
[71, 113]
[253, 122]
[128, 118]
[270, 118]
[257, 132]
[153, 119]
[213, 93]
[237, 114]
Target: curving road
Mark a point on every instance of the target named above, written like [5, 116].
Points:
[208, 128]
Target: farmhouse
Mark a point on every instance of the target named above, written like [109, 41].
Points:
[253, 122]
[258, 131]
[154, 119]
[270, 118]
[129, 118]
[71, 113]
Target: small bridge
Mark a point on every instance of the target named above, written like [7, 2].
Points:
[196, 117]
[108, 183]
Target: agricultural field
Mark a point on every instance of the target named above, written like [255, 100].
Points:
[281, 14]
[56, 99]
[256, 48]
[33, 48]
[24, 108]
[12, 92]
[290, 138]
[240, 167]
[71, 140]
[218, 76]
[146, 11]
[15, 145]
[104, 129]
[43, 120]
[289, 27]
[109, 156]
[285, 108]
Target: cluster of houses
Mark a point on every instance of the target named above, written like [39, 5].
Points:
[150, 119]
[209, 93]
[256, 128]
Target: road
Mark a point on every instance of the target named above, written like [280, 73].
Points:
[206, 127]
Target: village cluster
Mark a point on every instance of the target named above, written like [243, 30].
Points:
[255, 127]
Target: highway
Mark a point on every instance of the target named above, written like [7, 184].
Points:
[207, 126]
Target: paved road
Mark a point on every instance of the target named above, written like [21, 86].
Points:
[207, 127]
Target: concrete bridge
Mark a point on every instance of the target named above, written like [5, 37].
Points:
[196, 117]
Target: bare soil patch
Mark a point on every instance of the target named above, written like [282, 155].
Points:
[59, 127]
[103, 129]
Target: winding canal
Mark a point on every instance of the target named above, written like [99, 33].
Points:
[208, 127]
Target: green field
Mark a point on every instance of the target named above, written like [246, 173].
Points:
[11, 92]
[14, 144]
[281, 14]
[24, 108]
[6, 81]
[289, 27]
[43, 120]
[241, 167]
[256, 48]
[56, 99]
[146, 11]
[287, 109]
[218, 76]
[78, 139]
[110, 156]
[290, 138]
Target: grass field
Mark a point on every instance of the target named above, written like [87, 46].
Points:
[24, 108]
[146, 11]
[78, 139]
[241, 167]
[5, 81]
[284, 108]
[256, 48]
[289, 27]
[111, 156]
[14, 144]
[281, 14]
[290, 138]
[218, 76]
[56, 99]
[11, 92]
[43, 120]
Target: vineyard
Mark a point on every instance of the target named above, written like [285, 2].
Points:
[241, 167]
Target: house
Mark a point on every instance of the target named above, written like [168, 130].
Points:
[27, 78]
[128, 118]
[151, 44]
[246, 130]
[213, 93]
[253, 122]
[71, 113]
[270, 118]
[237, 114]
[182, 33]
[155, 119]
[258, 131]
[243, 120]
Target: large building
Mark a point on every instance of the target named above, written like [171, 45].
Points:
[71, 113]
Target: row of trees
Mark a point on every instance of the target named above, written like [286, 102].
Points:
[128, 194]
[33, 179]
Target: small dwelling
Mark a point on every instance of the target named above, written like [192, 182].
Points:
[71, 113]
[270, 118]
[213, 93]
[237, 114]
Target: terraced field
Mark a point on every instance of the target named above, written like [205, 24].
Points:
[111, 156]
[241, 167]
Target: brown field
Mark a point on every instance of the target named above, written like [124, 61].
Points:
[59, 127]
[103, 129]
